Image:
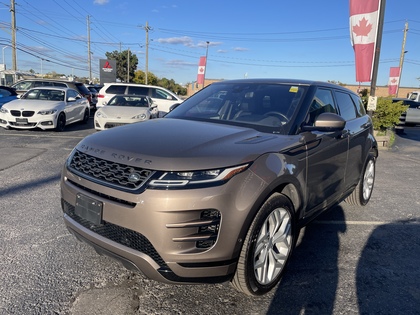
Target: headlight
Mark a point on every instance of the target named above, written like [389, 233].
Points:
[100, 114]
[47, 112]
[3, 110]
[140, 117]
[206, 177]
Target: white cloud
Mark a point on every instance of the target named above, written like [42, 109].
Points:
[240, 49]
[185, 40]
[100, 2]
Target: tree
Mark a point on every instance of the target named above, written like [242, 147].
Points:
[122, 62]
[140, 77]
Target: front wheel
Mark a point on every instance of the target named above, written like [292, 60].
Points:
[361, 194]
[61, 122]
[267, 247]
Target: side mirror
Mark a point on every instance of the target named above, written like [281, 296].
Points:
[71, 99]
[327, 122]
[174, 106]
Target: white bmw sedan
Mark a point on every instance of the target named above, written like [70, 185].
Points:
[125, 109]
[45, 108]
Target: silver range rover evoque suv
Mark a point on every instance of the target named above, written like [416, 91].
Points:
[219, 188]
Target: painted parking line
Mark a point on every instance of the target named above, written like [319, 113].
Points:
[368, 222]
[45, 136]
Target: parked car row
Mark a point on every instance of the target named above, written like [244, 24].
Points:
[39, 108]
[56, 107]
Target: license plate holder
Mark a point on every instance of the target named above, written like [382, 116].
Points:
[21, 121]
[89, 209]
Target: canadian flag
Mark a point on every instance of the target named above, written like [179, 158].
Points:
[364, 16]
[394, 79]
[201, 70]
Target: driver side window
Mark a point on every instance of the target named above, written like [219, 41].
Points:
[323, 102]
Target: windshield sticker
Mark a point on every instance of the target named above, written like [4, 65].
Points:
[293, 89]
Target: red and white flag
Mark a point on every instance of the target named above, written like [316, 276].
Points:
[364, 18]
[201, 70]
[394, 79]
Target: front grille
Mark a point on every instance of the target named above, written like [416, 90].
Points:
[25, 113]
[109, 173]
[28, 113]
[118, 234]
[20, 124]
[112, 125]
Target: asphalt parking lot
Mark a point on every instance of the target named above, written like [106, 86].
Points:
[349, 261]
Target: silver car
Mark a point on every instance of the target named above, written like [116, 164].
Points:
[219, 188]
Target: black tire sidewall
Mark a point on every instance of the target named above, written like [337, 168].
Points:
[61, 122]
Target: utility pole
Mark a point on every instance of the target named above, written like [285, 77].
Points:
[89, 53]
[128, 65]
[147, 28]
[14, 58]
[205, 66]
[403, 51]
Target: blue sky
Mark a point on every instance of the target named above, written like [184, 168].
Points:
[289, 39]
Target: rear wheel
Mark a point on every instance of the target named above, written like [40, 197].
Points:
[361, 194]
[267, 247]
[61, 122]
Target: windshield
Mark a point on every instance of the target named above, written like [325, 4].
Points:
[44, 94]
[263, 106]
[129, 100]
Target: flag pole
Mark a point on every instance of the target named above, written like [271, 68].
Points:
[377, 49]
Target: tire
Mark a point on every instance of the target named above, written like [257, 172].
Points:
[85, 116]
[262, 262]
[363, 191]
[61, 122]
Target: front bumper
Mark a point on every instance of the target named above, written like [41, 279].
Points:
[157, 231]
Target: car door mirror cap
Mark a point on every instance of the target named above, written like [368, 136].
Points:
[327, 122]
[71, 99]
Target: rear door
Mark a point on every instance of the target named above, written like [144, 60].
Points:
[357, 127]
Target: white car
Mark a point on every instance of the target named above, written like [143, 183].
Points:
[45, 108]
[161, 97]
[125, 109]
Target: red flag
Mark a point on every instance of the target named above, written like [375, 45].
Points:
[201, 70]
[394, 79]
[364, 17]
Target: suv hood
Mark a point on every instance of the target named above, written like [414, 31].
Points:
[174, 144]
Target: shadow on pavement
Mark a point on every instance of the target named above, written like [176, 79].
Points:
[388, 272]
[310, 282]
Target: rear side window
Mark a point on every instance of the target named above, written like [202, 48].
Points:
[58, 84]
[138, 90]
[161, 94]
[42, 83]
[346, 105]
[116, 89]
[82, 89]
[360, 108]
